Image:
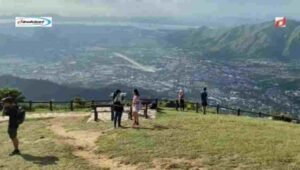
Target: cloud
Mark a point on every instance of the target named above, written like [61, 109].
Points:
[139, 8]
[59, 7]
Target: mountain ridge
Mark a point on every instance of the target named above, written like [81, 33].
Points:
[246, 41]
[45, 90]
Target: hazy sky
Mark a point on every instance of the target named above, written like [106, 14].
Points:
[133, 8]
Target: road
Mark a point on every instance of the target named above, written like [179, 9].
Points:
[136, 64]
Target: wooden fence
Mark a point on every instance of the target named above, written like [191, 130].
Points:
[94, 104]
[239, 112]
[145, 103]
[70, 104]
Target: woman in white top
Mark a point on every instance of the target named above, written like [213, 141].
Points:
[136, 107]
[181, 99]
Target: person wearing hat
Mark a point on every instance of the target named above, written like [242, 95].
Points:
[10, 109]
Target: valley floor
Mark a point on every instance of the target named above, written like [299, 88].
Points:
[175, 140]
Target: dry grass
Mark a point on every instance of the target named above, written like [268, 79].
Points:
[175, 140]
[40, 148]
[220, 142]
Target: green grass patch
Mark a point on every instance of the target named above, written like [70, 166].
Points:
[40, 149]
[213, 141]
[222, 142]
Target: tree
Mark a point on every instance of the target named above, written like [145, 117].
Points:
[79, 102]
[10, 92]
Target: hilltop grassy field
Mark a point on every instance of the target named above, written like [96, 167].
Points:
[175, 140]
[187, 140]
[40, 148]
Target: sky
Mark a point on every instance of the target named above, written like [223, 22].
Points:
[152, 8]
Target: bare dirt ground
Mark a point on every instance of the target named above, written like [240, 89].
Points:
[84, 143]
[49, 115]
[85, 147]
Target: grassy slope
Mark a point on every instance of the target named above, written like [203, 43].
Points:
[221, 142]
[41, 149]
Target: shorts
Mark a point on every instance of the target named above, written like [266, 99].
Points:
[12, 132]
[136, 109]
[204, 104]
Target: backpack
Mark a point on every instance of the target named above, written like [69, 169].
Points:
[117, 105]
[21, 115]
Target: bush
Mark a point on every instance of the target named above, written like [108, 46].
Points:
[79, 102]
[171, 104]
[190, 106]
[14, 93]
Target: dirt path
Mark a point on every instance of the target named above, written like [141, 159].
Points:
[49, 115]
[85, 147]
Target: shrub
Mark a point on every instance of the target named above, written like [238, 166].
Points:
[14, 93]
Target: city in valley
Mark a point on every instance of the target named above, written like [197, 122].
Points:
[249, 84]
[241, 68]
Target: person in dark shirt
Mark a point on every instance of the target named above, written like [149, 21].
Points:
[177, 104]
[10, 109]
[118, 108]
[204, 99]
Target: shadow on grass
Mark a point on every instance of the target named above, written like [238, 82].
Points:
[161, 111]
[154, 127]
[41, 160]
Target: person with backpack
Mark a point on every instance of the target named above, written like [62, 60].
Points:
[16, 117]
[118, 107]
[114, 94]
[204, 97]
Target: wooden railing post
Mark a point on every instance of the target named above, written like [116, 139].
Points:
[30, 105]
[51, 105]
[71, 105]
[95, 113]
[197, 107]
[239, 112]
[218, 109]
[259, 114]
[156, 101]
[146, 111]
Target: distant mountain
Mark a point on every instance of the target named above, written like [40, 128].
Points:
[247, 41]
[194, 38]
[71, 39]
[38, 90]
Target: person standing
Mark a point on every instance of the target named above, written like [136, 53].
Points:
[177, 104]
[11, 109]
[204, 98]
[136, 106]
[181, 99]
[118, 107]
[114, 94]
